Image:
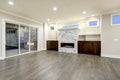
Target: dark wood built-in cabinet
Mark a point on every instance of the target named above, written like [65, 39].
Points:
[52, 45]
[89, 47]
[84, 47]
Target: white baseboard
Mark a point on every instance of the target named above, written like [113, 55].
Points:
[1, 58]
[111, 56]
[42, 49]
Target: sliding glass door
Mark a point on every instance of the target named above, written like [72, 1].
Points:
[24, 39]
[33, 39]
[20, 39]
[12, 39]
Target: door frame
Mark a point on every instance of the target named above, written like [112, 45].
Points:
[4, 37]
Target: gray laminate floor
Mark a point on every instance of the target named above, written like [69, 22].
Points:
[51, 65]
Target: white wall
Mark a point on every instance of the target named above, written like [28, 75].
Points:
[5, 16]
[52, 34]
[84, 29]
[110, 38]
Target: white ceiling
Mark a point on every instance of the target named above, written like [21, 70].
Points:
[41, 10]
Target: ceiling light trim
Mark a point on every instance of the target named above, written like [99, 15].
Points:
[55, 8]
[84, 12]
[11, 3]
[48, 19]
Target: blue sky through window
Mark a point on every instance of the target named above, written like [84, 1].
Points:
[72, 26]
[93, 23]
[116, 19]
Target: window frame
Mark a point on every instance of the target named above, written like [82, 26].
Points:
[71, 26]
[93, 20]
[111, 19]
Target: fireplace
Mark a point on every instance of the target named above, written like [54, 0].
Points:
[67, 45]
[68, 40]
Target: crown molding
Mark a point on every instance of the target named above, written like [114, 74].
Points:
[16, 15]
[111, 12]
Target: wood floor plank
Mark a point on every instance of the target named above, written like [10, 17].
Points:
[52, 65]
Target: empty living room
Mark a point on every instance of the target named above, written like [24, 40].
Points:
[60, 39]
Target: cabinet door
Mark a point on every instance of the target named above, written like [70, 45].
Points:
[89, 47]
[94, 47]
[82, 47]
[97, 48]
[52, 45]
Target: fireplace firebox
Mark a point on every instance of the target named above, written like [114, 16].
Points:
[67, 45]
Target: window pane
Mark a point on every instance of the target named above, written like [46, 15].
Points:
[116, 19]
[24, 38]
[33, 36]
[12, 33]
[93, 23]
[72, 26]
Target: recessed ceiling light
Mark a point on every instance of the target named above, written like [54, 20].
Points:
[54, 8]
[81, 18]
[48, 19]
[11, 3]
[84, 12]
[93, 15]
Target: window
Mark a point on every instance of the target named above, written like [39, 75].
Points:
[93, 23]
[115, 20]
[72, 26]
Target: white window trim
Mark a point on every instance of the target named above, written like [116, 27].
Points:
[111, 19]
[93, 20]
